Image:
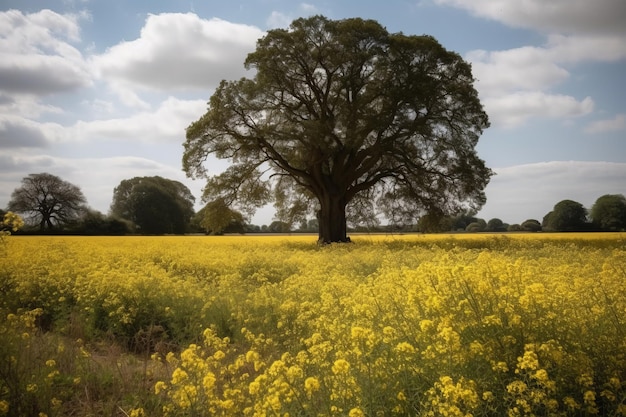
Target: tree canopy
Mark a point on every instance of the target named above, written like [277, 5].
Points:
[567, 216]
[217, 218]
[48, 201]
[347, 120]
[531, 225]
[609, 212]
[496, 225]
[155, 205]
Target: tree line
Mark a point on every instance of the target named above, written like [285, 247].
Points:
[157, 205]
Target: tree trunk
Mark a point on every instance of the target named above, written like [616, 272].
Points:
[332, 219]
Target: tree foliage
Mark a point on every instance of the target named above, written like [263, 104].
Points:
[155, 205]
[95, 223]
[346, 120]
[531, 225]
[435, 223]
[496, 225]
[478, 226]
[47, 201]
[609, 212]
[217, 218]
[567, 216]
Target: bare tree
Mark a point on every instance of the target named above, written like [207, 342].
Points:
[47, 200]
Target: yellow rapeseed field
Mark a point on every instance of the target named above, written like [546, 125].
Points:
[391, 325]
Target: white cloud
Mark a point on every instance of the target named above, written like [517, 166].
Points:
[530, 191]
[565, 16]
[18, 132]
[167, 123]
[576, 31]
[25, 106]
[36, 54]
[178, 52]
[608, 125]
[535, 68]
[526, 68]
[15, 166]
[512, 110]
[581, 48]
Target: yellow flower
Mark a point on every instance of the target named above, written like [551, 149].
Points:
[179, 376]
[311, 384]
[294, 372]
[159, 386]
[208, 382]
[341, 366]
[356, 412]
[426, 325]
[500, 367]
[252, 356]
[589, 397]
[571, 403]
[254, 387]
[137, 412]
[406, 348]
[529, 361]
[274, 402]
[4, 407]
[516, 387]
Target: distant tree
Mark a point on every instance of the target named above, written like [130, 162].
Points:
[478, 226]
[496, 225]
[434, 223]
[609, 212]
[346, 116]
[217, 218]
[567, 216]
[461, 221]
[531, 225]
[514, 228]
[95, 223]
[252, 228]
[278, 227]
[48, 201]
[155, 205]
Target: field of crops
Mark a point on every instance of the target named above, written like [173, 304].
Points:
[452, 325]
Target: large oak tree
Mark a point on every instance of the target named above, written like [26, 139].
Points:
[48, 200]
[346, 119]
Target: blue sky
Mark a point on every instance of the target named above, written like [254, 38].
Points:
[100, 91]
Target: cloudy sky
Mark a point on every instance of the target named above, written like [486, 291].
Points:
[97, 91]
